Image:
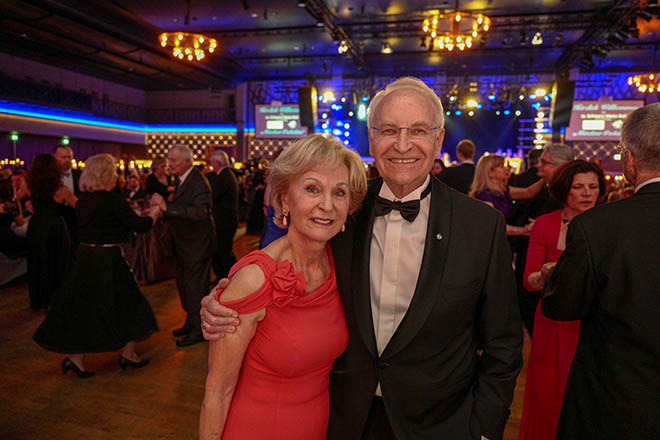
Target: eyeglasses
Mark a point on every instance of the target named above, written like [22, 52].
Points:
[416, 131]
[620, 148]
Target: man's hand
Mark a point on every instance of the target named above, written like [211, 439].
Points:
[217, 320]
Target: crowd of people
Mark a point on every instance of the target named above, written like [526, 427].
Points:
[387, 304]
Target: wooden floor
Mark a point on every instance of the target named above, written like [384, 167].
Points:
[160, 401]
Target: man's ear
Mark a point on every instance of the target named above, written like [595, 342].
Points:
[438, 148]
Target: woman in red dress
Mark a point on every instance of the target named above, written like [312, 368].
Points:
[269, 379]
[578, 185]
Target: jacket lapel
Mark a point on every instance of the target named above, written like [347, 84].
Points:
[182, 186]
[360, 282]
[430, 276]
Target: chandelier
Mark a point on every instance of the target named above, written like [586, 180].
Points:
[190, 46]
[456, 30]
[647, 83]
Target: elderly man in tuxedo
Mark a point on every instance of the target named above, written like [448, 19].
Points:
[425, 278]
[70, 177]
[193, 237]
[224, 190]
[609, 278]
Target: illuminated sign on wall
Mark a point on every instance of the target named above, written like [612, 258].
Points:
[599, 120]
[278, 121]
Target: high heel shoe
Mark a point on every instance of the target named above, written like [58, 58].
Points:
[68, 365]
[125, 363]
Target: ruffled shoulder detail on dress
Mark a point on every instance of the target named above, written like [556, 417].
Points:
[282, 286]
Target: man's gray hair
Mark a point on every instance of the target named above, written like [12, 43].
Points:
[183, 151]
[560, 153]
[407, 83]
[220, 156]
[641, 135]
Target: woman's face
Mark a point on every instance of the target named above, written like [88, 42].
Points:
[499, 174]
[318, 203]
[161, 169]
[584, 192]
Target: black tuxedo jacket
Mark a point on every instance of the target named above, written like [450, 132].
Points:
[435, 384]
[69, 213]
[609, 278]
[224, 190]
[75, 174]
[191, 219]
[459, 178]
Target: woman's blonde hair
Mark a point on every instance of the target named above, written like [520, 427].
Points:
[481, 173]
[312, 151]
[100, 173]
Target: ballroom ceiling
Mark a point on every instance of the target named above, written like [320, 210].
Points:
[260, 39]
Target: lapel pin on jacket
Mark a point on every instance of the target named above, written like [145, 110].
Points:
[438, 237]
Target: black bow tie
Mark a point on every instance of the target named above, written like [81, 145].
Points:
[409, 210]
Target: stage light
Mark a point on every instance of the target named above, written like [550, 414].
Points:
[497, 112]
[518, 112]
[537, 39]
[471, 113]
[329, 95]
[540, 92]
[491, 97]
[65, 140]
[472, 103]
[507, 112]
[458, 112]
[14, 136]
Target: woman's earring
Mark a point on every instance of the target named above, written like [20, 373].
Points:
[285, 218]
[343, 227]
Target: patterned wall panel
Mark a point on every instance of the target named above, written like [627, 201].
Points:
[265, 148]
[604, 152]
[158, 144]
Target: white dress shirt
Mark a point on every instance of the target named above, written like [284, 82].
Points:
[182, 177]
[67, 180]
[648, 182]
[397, 247]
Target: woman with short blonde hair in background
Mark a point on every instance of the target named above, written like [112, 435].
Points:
[100, 307]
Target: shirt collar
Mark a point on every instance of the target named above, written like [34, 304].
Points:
[386, 192]
[648, 182]
[183, 176]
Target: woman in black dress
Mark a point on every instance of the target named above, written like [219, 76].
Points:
[49, 244]
[100, 307]
[159, 180]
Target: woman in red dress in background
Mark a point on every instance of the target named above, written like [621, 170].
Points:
[578, 185]
[269, 379]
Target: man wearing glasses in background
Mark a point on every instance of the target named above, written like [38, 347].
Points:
[428, 291]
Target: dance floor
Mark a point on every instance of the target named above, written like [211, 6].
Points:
[160, 401]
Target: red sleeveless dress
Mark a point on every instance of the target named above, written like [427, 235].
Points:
[282, 390]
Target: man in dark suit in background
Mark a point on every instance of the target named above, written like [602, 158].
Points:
[428, 291]
[609, 278]
[70, 177]
[460, 177]
[193, 238]
[224, 190]
[551, 158]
